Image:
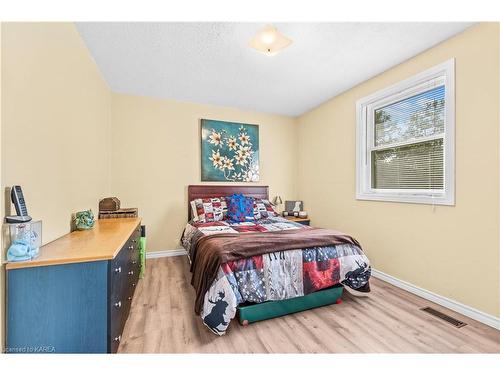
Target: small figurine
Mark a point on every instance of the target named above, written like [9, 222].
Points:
[84, 220]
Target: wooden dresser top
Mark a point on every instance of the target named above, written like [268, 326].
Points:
[293, 218]
[102, 242]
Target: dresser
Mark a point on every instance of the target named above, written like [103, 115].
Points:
[76, 296]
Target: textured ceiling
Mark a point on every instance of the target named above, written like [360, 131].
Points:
[211, 63]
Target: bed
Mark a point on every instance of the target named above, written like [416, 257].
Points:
[268, 267]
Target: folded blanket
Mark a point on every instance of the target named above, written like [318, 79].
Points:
[21, 250]
[209, 252]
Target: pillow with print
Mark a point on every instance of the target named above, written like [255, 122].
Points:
[262, 209]
[239, 208]
[204, 210]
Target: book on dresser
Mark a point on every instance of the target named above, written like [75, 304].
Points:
[76, 296]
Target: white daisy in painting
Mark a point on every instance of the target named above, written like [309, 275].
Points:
[245, 151]
[231, 144]
[244, 139]
[252, 174]
[215, 138]
[240, 159]
[216, 159]
[228, 163]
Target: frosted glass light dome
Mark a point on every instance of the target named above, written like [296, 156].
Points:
[269, 41]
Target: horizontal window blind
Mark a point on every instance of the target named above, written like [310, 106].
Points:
[414, 166]
[405, 145]
[412, 118]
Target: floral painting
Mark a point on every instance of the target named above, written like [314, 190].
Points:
[229, 151]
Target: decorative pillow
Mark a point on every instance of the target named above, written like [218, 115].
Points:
[208, 209]
[239, 208]
[262, 209]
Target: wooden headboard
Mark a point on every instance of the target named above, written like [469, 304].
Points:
[215, 191]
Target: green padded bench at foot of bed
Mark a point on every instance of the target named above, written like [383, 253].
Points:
[272, 309]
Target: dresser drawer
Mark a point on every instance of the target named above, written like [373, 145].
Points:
[115, 335]
[119, 309]
[123, 275]
[122, 266]
[132, 281]
[134, 256]
[134, 240]
[118, 269]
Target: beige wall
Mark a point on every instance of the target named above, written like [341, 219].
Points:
[56, 123]
[156, 155]
[2, 268]
[452, 251]
[498, 107]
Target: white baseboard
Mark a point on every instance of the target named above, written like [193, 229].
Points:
[458, 307]
[165, 253]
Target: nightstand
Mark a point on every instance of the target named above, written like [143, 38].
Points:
[305, 221]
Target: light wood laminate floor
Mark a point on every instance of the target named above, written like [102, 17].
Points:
[386, 320]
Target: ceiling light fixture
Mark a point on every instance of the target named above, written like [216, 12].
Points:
[269, 41]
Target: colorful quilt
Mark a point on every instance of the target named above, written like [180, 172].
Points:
[273, 276]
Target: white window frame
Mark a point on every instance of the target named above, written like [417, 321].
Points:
[365, 107]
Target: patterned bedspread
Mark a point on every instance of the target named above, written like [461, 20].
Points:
[273, 276]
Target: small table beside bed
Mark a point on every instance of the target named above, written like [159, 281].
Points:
[264, 266]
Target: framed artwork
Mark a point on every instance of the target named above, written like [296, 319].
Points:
[229, 151]
[294, 206]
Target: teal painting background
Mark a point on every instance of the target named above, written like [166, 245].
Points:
[244, 173]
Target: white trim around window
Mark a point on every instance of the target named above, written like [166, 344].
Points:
[443, 74]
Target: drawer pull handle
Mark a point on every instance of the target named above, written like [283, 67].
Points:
[118, 338]
[118, 270]
[118, 304]
[130, 273]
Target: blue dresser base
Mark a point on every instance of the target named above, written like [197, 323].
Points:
[58, 309]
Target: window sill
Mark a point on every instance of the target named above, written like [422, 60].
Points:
[399, 198]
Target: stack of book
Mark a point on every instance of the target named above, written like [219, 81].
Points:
[109, 208]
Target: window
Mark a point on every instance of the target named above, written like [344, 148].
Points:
[405, 140]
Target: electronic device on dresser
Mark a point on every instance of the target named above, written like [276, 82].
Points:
[17, 197]
[76, 296]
